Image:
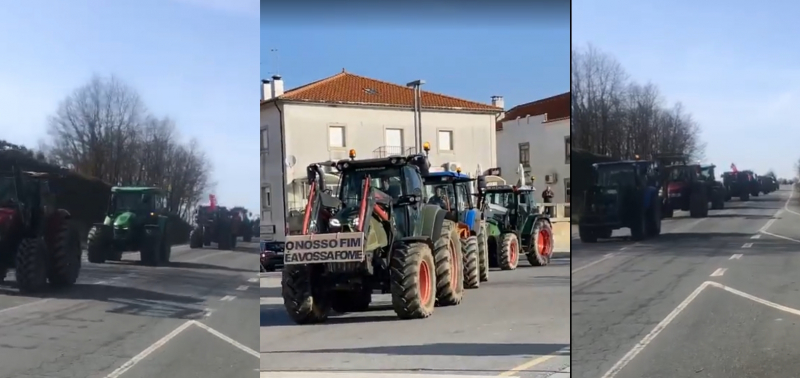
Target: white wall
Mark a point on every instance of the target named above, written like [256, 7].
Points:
[272, 161]
[547, 151]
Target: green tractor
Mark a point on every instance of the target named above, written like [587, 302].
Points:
[513, 220]
[137, 220]
[245, 225]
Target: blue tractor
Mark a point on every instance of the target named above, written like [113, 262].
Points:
[451, 191]
[623, 194]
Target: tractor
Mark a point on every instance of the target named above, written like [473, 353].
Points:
[753, 183]
[378, 235]
[512, 220]
[689, 187]
[137, 219]
[623, 194]
[36, 238]
[245, 225]
[214, 224]
[451, 191]
[737, 184]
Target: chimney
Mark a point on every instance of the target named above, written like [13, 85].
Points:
[277, 86]
[498, 102]
[266, 92]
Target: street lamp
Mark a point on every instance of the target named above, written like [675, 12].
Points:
[416, 84]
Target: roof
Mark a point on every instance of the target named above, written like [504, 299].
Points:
[556, 107]
[448, 174]
[134, 189]
[347, 88]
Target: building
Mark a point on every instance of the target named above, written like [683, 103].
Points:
[537, 135]
[323, 120]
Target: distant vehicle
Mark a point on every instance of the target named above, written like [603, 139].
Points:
[272, 255]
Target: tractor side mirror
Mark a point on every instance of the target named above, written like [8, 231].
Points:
[481, 182]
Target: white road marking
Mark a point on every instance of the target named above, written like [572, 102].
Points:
[161, 342]
[736, 256]
[756, 236]
[605, 257]
[780, 236]
[766, 226]
[207, 312]
[29, 304]
[533, 362]
[755, 299]
[302, 374]
[747, 245]
[786, 205]
[242, 288]
[272, 301]
[270, 282]
[229, 340]
[626, 359]
[252, 280]
[719, 272]
[100, 283]
[152, 348]
[228, 298]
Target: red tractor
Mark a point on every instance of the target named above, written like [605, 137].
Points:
[689, 187]
[36, 238]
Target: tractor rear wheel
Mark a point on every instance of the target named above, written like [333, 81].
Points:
[196, 238]
[508, 254]
[31, 265]
[304, 302]
[449, 266]
[469, 247]
[97, 243]
[542, 248]
[65, 255]
[413, 281]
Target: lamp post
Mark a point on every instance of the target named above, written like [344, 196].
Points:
[415, 85]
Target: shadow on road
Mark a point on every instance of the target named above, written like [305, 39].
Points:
[131, 301]
[739, 216]
[194, 265]
[451, 349]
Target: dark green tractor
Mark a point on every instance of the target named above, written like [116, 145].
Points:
[137, 220]
[245, 225]
[514, 225]
[214, 224]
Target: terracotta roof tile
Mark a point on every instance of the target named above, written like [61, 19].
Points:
[556, 107]
[347, 88]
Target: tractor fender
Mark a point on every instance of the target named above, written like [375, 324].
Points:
[472, 219]
[417, 239]
[432, 220]
[64, 213]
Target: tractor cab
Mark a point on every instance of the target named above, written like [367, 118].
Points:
[451, 192]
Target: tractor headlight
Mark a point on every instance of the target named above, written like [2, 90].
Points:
[335, 223]
[355, 222]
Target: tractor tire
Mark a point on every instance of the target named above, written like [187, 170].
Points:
[301, 299]
[587, 235]
[698, 204]
[542, 248]
[653, 225]
[483, 252]
[605, 233]
[472, 269]
[667, 211]
[449, 261]
[224, 242]
[234, 240]
[196, 238]
[508, 253]
[717, 202]
[744, 197]
[165, 247]
[639, 227]
[97, 243]
[351, 301]
[413, 281]
[149, 250]
[65, 256]
[31, 265]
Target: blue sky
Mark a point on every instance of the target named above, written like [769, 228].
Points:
[192, 60]
[731, 63]
[467, 55]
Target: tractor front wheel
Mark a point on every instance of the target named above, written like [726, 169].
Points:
[98, 242]
[449, 266]
[542, 249]
[304, 302]
[471, 262]
[508, 254]
[413, 281]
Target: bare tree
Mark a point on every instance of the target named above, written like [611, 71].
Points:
[613, 116]
[104, 130]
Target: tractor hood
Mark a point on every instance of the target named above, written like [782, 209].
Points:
[676, 186]
[496, 212]
[124, 220]
[7, 217]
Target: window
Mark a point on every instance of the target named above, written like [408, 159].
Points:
[568, 189]
[445, 140]
[413, 183]
[336, 137]
[525, 154]
[567, 147]
[265, 139]
[393, 141]
[266, 197]
[463, 198]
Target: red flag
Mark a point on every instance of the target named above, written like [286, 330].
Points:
[212, 201]
[733, 168]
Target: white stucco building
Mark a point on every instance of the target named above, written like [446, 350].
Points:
[322, 121]
[537, 135]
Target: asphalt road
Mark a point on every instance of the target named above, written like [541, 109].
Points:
[195, 317]
[714, 297]
[515, 325]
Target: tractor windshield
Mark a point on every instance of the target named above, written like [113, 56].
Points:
[504, 199]
[680, 173]
[707, 173]
[8, 193]
[387, 180]
[441, 194]
[126, 201]
[615, 175]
